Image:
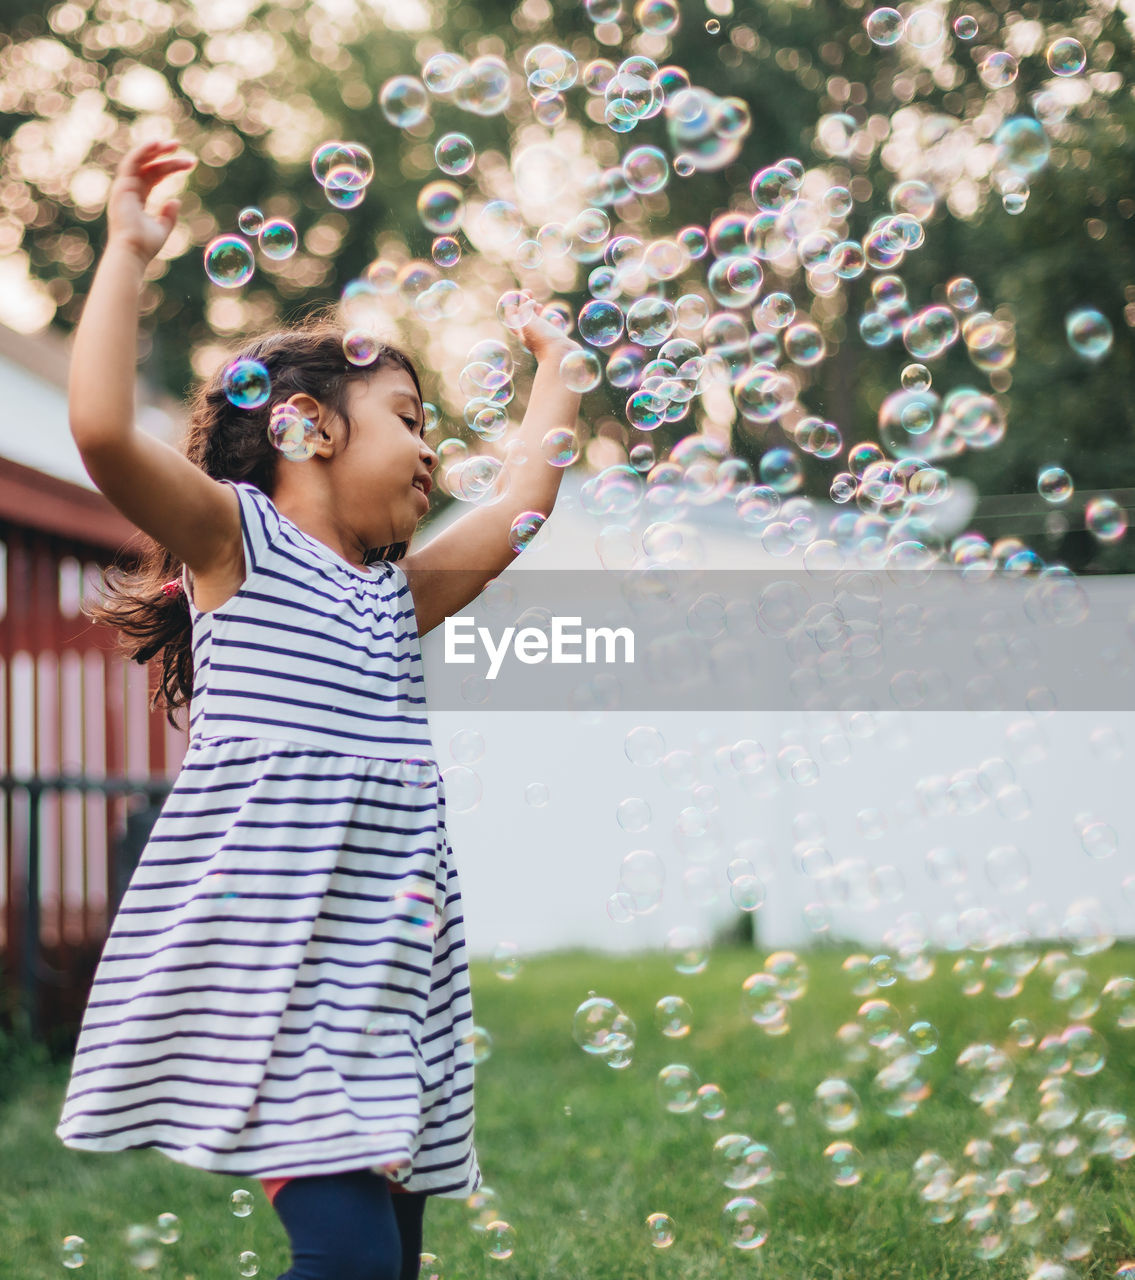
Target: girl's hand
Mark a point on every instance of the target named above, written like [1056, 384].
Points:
[139, 172]
[540, 336]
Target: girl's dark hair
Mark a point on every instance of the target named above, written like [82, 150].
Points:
[229, 443]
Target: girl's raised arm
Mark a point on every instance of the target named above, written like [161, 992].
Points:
[151, 483]
[455, 567]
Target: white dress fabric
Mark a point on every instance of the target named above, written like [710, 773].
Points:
[284, 991]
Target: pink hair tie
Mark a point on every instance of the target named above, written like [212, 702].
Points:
[172, 588]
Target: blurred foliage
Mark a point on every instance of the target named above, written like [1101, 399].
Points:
[251, 88]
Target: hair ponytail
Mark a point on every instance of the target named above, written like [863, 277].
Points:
[229, 443]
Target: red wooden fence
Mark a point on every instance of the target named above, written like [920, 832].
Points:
[69, 705]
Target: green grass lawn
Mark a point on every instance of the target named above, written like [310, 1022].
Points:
[580, 1153]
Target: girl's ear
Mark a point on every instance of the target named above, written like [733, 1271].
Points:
[321, 418]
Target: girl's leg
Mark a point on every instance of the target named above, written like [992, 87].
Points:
[341, 1226]
[409, 1209]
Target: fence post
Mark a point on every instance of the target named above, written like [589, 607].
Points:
[31, 914]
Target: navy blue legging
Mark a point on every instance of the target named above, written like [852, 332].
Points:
[348, 1226]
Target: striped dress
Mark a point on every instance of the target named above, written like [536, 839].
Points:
[284, 991]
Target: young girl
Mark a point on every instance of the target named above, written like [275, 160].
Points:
[284, 991]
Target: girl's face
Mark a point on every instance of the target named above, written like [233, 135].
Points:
[389, 462]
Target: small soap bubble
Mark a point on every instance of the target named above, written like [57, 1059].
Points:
[481, 1044]
[672, 1017]
[1054, 485]
[1105, 519]
[404, 101]
[241, 1203]
[711, 1102]
[844, 1164]
[250, 221]
[229, 262]
[246, 384]
[837, 1105]
[745, 1223]
[360, 347]
[1066, 56]
[712, 26]
[429, 1268]
[1089, 333]
[454, 154]
[483, 1207]
[633, 814]
[506, 961]
[593, 1023]
[446, 251]
[142, 1246]
[786, 1114]
[923, 1037]
[644, 746]
[580, 371]
[523, 529]
[536, 794]
[688, 949]
[660, 1229]
[884, 26]
[965, 26]
[499, 1240]
[677, 1087]
[277, 239]
[74, 1252]
[169, 1228]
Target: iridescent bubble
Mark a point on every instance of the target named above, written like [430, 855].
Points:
[1117, 1000]
[277, 239]
[1022, 147]
[844, 1164]
[499, 1240]
[524, 528]
[646, 170]
[1089, 333]
[600, 323]
[745, 1223]
[454, 154]
[987, 1073]
[884, 26]
[480, 1044]
[1054, 485]
[660, 1230]
[250, 220]
[1066, 56]
[248, 1264]
[229, 262]
[688, 949]
[923, 1037]
[649, 321]
[711, 1102]
[644, 746]
[672, 1017]
[404, 101]
[762, 1001]
[593, 1024]
[781, 470]
[293, 435]
[965, 27]
[741, 1163]
[1106, 520]
[580, 371]
[73, 1252]
[657, 17]
[441, 206]
[241, 1203]
[997, 70]
[246, 384]
[837, 1105]
[915, 377]
[677, 1088]
[560, 447]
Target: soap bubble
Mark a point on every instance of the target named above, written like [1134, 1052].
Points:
[1066, 56]
[1089, 333]
[74, 1252]
[672, 1017]
[837, 1105]
[580, 371]
[677, 1088]
[499, 1240]
[454, 154]
[844, 1164]
[1054, 485]
[241, 1203]
[523, 529]
[741, 1163]
[884, 26]
[660, 1228]
[229, 262]
[248, 1264]
[404, 101]
[688, 949]
[965, 27]
[277, 239]
[441, 206]
[246, 384]
[169, 1228]
[711, 1102]
[250, 220]
[1105, 519]
[593, 1023]
[745, 1223]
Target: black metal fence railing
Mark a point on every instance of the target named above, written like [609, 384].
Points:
[28, 971]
